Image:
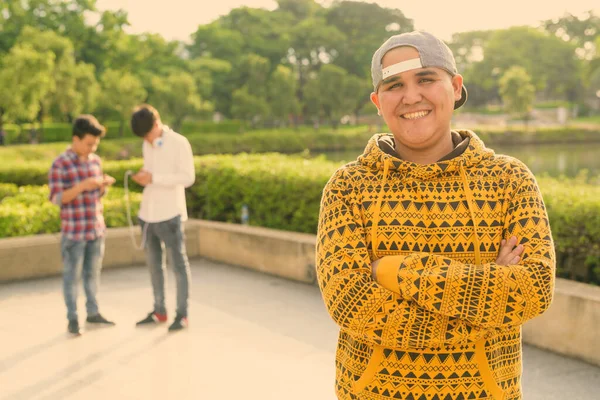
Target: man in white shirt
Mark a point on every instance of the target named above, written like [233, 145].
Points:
[168, 170]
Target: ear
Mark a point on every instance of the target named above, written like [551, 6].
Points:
[375, 100]
[457, 82]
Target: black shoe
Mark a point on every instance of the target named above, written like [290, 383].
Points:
[153, 318]
[98, 319]
[179, 323]
[73, 327]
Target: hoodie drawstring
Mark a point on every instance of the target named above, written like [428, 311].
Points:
[470, 205]
[377, 211]
[375, 243]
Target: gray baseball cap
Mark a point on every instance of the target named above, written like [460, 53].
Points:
[432, 53]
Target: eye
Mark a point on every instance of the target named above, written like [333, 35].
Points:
[425, 80]
[395, 85]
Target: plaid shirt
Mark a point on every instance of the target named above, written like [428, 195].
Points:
[82, 218]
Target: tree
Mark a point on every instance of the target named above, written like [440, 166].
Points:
[25, 79]
[248, 107]
[581, 32]
[517, 91]
[312, 42]
[216, 41]
[176, 97]
[264, 33]
[105, 41]
[468, 47]
[300, 9]
[254, 72]
[121, 92]
[549, 61]
[282, 94]
[333, 93]
[65, 18]
[252, 77]
[62, 92]
[365, 27]
[213, 80]
[592, 91]
[87, 90]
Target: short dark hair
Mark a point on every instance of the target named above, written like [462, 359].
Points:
[143, 119]
[87, 124]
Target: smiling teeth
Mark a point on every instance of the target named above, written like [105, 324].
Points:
[415, 115]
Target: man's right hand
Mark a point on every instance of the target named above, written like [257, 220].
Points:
[91, 183]
[510, 253]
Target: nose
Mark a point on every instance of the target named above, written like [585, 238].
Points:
[411, 95]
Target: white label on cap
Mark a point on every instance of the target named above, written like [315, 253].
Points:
[400, 67]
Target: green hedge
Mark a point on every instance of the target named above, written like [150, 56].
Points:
[574, 211]
[284, 192]
[60, 132]
[283, 141]
[514, 136]
[26, 210]
[289, 141]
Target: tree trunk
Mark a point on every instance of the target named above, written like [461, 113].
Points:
[2, 133]
[177, 124]
[40, 118]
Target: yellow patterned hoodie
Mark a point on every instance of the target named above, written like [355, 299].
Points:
[441, 321]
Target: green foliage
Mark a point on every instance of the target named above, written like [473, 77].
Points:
[39, 157]
[574, 210]
[281, 192]
[548, 60]
[177, 97]
[121, 92]
[26, 79]
[284, 192]
[248, 107]
[27, 211]
[365, 27]
[516, 91]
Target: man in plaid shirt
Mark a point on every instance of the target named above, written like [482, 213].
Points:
[76, 185]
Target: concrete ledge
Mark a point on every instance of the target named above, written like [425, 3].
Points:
[39, 256]
[287, 254]
[571, 326]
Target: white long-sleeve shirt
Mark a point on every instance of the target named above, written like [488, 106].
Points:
[171, 163]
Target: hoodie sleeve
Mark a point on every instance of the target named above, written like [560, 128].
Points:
[488, 295]
[357, 303]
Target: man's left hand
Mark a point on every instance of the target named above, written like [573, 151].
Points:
[142, 178]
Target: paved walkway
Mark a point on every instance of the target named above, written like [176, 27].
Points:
[251, 337]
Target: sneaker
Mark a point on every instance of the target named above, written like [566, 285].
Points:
[153, 318]
[73, 327]
[98, 319]
[179, 323]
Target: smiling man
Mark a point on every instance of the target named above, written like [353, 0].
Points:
[432, 250]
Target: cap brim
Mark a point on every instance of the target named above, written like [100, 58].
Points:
[463, 98]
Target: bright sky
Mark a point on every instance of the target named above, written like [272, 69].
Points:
[178, 19]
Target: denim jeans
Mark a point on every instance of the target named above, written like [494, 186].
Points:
[81, 258]
[167, 235]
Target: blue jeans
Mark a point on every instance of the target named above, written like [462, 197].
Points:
[81, 257]
[170, 235]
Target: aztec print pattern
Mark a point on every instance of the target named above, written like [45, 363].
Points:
[442, 321]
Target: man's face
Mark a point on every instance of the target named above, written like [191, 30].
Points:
[417, 104]
[85, 146]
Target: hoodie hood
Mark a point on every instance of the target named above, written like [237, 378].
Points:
[375, 158]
